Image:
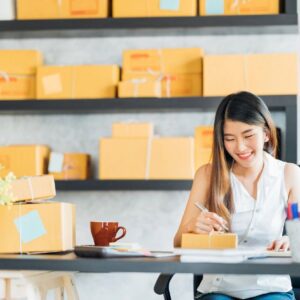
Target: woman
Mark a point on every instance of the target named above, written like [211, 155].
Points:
[246, 189]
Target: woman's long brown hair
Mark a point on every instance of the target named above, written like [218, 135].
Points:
[242, 107]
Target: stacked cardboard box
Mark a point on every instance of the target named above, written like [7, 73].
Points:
[238, 7]
[154, 8]
[34, 225]
[18, 74]
[262, 74]
[77, 82]
[133, 153]
[69, 166]
[65, 9]
[161, 73]
[203, 145]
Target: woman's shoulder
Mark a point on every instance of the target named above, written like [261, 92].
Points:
[203, 172]
[291, 170]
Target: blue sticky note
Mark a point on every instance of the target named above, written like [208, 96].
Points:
[170, 4]
[30, 226]
[214, 7]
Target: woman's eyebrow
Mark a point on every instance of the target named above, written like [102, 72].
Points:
[245, 131]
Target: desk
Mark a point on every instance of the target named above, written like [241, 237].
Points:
[170, 265]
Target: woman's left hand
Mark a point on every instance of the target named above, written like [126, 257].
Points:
[282, 244]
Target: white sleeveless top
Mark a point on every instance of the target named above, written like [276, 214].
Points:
[257, 223]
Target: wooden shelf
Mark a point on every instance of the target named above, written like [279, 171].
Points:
[123, 185]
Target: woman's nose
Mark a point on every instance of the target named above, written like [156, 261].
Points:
[241, 146]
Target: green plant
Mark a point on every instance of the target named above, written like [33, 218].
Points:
[6, 195]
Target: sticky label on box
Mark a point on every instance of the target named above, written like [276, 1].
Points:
[214, 7]
[56, 162]
[169, 4]
[52, 84]
[30, 226]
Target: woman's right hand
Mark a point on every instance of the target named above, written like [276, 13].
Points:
[207, 222]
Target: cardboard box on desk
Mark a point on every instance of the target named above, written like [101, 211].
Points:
[238, 7]
[77, 82]
[132, 130]
[263, 74]
[154, 8]
[33, 188]
[172, 158]
[123, 158]
[69, 166]
[42, 227]
[24, 160]
[209, 241]
[18, 74]
[54, 9]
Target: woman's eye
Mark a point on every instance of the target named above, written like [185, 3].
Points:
[249, 136]
[229, 140]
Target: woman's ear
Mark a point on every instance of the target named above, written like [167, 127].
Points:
[266, 135]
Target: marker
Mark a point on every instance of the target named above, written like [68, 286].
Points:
[294, 208]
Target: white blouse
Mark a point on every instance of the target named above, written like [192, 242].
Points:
[257, 223]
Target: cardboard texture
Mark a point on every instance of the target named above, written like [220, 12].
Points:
[263, 74]
[209, 241]
[33, 188]
[203, 145]
[238, 7]
[153, 8]
[172, 158]
[43, 227]
[132, 130]
[18, 74]
[77, 82]
[76, 166]
[24, 160]
[56, 9]
[123, 158]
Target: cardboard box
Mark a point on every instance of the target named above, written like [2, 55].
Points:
[132, 130]
[263, 74]
[139, 88]
[153, 8]
[7, 11]
[161, 62]
[43, 227]
[204, 136]
[24, 160]
[54, 9]
[18, 74]
[33, 188]
[202, 156]
[77, 82]
[172, 158]
[238, 7]
[123, 158]
[209, 241]
[73, 166]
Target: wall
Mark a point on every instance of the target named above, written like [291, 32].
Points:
[151, 218]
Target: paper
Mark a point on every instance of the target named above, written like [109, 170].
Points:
[56, 162]
[214, 7]
[170, 4]
[30, 226]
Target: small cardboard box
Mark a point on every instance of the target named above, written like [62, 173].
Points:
[7, 11]
[33, 188]
[209, 241]
[154, 8]
[132, 130]
[72, 166]
[161, 62]
[24, 160]
[54, 9]
[123, 158]
[172, 158]
[238, 7]
[42, 227]
[77, 82]
[139, 88]
[204, 136]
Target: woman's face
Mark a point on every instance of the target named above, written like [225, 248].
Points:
[244, 142]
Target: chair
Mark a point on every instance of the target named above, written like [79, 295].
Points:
[161, 286]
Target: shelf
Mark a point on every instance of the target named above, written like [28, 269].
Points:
[285, 22]
[122, 185]
[83, 106]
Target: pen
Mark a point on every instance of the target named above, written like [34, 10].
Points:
[202, 208]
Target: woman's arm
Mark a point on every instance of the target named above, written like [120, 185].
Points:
[193, 219]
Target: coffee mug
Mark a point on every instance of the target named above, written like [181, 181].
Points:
[106, 232]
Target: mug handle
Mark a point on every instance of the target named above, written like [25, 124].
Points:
[122, 235]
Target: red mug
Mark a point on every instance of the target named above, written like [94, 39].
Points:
[106, 232]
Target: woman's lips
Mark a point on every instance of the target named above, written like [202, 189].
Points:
[244, 156]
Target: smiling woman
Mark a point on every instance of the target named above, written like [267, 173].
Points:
[246, 188]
